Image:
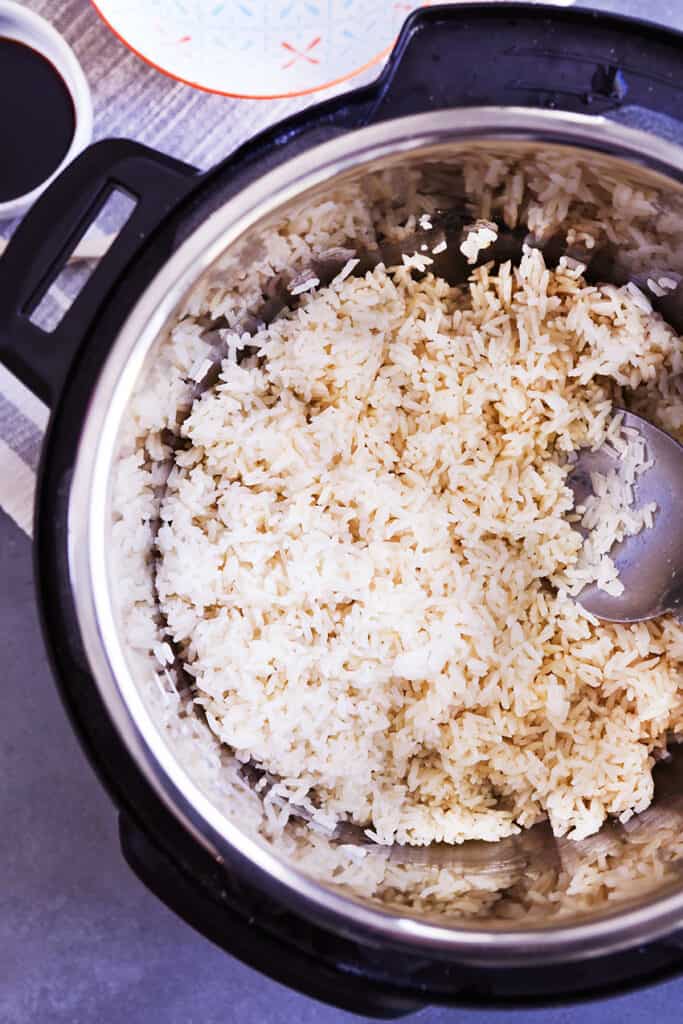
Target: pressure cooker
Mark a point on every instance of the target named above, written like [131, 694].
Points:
[514, 83]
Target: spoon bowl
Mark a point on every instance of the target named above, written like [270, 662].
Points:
[650, 563]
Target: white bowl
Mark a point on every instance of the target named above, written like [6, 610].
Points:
[22, 25]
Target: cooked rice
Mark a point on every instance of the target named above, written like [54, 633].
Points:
[478, 236]
[627, 688]
[378, 610]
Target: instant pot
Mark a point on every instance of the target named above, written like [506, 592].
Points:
[516, 84]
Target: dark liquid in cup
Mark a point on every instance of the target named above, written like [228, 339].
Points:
[37, 119]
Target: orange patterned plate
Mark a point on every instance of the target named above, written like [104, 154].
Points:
[258, 49]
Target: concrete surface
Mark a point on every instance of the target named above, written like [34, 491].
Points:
[81, 941]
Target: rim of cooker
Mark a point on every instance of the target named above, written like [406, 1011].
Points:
[504, 945]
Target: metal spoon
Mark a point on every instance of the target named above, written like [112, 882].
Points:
[650, 563]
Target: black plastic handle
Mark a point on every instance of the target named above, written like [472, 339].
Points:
[48, 234]
[524, 54]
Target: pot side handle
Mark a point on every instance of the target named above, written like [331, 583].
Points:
[529, 55]
[45, 238]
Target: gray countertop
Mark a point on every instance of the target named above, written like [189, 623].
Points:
[81, 939]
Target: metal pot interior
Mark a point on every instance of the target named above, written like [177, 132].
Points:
[481, 899]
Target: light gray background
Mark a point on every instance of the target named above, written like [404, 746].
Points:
[81, 940]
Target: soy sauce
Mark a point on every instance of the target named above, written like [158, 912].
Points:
[37, 119]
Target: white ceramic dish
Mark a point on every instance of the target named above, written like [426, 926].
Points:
[22, 25]
[258, 49]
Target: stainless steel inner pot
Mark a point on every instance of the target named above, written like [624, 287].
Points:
[485, 903]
